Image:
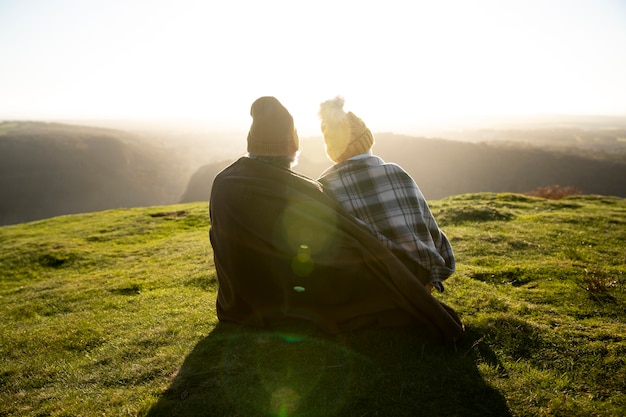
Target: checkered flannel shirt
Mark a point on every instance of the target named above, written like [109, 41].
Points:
[387, 200]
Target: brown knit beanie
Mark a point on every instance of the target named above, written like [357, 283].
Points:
[272, 132]
[345, 134]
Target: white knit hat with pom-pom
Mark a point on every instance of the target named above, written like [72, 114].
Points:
[345, 134]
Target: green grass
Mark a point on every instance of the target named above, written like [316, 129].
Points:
[113, 314]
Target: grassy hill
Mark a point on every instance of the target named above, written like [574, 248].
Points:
[112, 313]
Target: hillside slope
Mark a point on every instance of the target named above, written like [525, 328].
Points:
[444, 168]
[49, 169]
[114, 313]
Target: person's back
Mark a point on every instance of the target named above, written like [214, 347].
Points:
[383, 196]
[285, 251]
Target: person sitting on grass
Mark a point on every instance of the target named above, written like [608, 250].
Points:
[285, 252]
[383, 196]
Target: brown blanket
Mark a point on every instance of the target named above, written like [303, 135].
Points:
[286, 251]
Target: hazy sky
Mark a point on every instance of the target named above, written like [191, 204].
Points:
[397, 63]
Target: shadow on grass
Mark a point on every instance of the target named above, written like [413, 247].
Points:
[237, 371]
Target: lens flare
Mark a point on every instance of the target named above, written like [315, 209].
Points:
[302, 264]
[284, 401]
[291, 337]
[281, 372]
[307, 228]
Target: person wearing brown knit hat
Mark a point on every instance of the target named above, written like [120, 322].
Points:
[383, 196]
[285, 252]
[272, 135]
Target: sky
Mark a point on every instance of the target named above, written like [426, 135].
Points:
[397, 63]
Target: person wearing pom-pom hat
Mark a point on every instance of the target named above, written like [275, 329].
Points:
[383, 196]
[286, 253]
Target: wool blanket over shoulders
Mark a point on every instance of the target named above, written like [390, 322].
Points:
[284, 251]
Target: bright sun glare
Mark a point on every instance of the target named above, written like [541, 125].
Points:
[397, 63]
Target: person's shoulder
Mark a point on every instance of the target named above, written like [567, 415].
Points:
[329, 173]
[305, 181]
[399, 174]
[328, 170]
[392, 166]
[229, 169]
[395, 168]
[376, 162]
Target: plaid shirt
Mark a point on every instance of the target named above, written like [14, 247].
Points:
[387, 200]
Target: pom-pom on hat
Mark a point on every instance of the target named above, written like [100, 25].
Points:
[272, 132]
[345, 134]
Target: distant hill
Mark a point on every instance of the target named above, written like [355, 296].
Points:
[607, 140]
[444, 168]
[49, 169]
